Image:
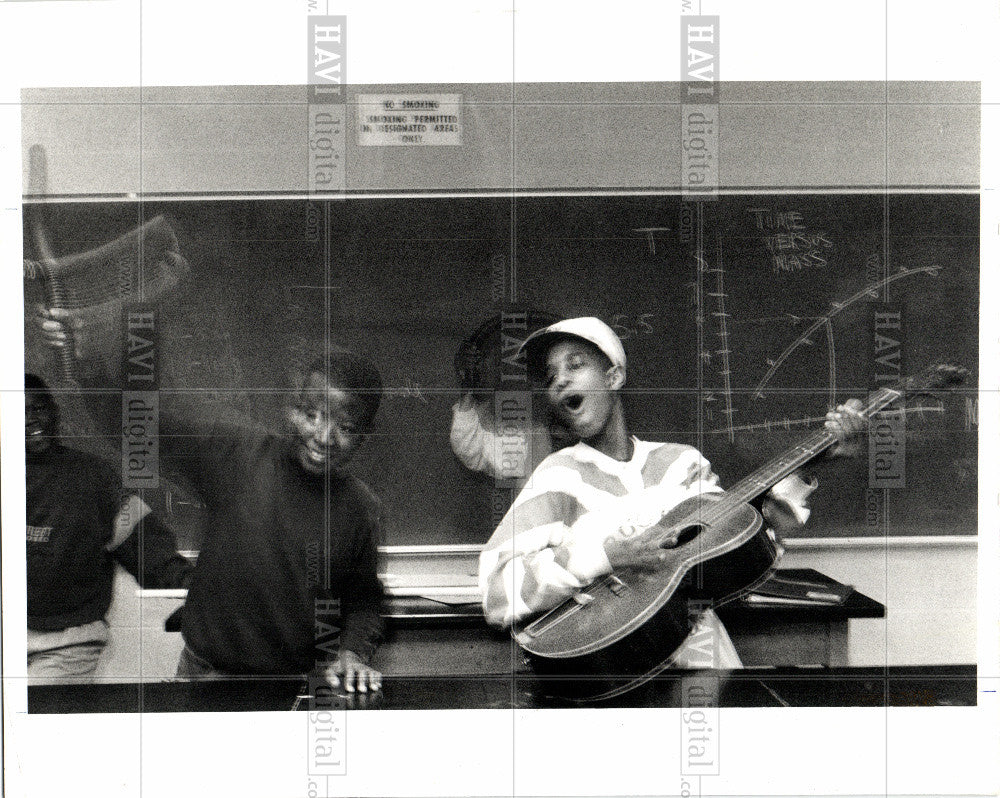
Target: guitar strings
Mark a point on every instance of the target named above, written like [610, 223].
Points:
[808, 448]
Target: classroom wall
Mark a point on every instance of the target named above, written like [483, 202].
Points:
[255, 139]
[928, 587]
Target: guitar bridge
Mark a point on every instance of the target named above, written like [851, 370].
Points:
[570, 606]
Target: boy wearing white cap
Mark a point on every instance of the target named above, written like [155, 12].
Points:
[578, 517]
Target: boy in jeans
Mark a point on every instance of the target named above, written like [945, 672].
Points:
[79, 524]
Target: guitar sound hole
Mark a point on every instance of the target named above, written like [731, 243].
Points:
[684, 536]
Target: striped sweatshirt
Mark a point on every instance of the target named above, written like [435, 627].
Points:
[550, 544]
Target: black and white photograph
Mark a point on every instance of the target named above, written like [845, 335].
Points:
[500, 399]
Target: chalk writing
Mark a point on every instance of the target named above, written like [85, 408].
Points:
[217, 365]
[498, 277]
[650, 240]
[628, 326]
[174, 501]
[409, 389]
[793, 246]
[873, 269]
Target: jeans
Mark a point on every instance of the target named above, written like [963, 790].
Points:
[708, 646]
[66, 655]
[191, 666]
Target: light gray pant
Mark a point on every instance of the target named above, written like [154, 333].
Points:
[191, 666]
[67, 655]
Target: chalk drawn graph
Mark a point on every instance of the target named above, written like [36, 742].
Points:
[824, 322]
[836, 307]
[920, 411]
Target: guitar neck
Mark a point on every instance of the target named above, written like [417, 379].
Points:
[775, 470]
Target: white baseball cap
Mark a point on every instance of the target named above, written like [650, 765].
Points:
[589, 328]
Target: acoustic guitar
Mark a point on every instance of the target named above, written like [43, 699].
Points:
[623, 629]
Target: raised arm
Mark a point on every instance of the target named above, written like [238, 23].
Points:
[474, 445]
[189, 433]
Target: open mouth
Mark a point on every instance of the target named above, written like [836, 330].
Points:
[573, 402]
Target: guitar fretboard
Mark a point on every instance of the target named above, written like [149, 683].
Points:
[775, 470]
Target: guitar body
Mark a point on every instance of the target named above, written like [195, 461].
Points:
[624, 628]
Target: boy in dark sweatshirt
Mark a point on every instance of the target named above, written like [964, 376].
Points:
[286, 581]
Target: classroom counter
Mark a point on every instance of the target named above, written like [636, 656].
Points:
[950, 685]
[447, 635]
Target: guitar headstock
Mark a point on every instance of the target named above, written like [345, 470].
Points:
[934, 378]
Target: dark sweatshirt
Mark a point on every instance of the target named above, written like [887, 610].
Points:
[287, 573]
[72, 500]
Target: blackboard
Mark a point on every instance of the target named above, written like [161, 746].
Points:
[743, 319]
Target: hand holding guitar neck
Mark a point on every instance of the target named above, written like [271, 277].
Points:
[846, 422]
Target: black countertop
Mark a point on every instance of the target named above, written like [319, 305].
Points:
[952, 685]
